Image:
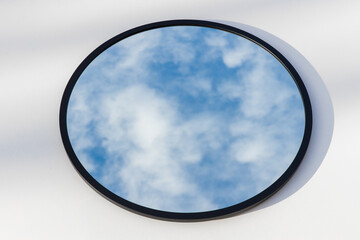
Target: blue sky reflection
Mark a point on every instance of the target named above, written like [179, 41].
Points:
[185, 119]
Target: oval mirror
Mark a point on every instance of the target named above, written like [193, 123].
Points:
[185, 119]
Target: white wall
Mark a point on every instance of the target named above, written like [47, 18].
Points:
[43, 197]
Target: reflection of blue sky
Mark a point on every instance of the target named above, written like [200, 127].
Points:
[185, 119]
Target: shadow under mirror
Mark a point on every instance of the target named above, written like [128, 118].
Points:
[322, 111]
[186, 120]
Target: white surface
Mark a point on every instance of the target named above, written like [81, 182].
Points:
[43, 197]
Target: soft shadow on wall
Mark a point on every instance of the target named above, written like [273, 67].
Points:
[323, 115]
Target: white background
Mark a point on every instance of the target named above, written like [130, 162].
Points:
[43, 197]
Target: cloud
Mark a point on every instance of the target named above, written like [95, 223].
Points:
[147, 136]
[270, 118]
[185, 119]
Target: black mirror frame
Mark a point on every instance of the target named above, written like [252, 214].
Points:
[177, 216]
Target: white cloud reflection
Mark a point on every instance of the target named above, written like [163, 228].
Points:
[185, 119]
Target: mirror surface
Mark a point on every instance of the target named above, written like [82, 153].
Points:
[185, 119]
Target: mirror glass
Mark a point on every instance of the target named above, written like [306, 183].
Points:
[185, 119]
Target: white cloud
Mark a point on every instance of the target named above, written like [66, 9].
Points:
[148, 135]
[79, 117]
[231, 89]
[196, 84]
[265, 134]
[237, 56]
[233, 53]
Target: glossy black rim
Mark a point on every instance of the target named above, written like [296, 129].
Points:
[178, 215]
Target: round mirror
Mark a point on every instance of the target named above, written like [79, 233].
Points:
[185, 119]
